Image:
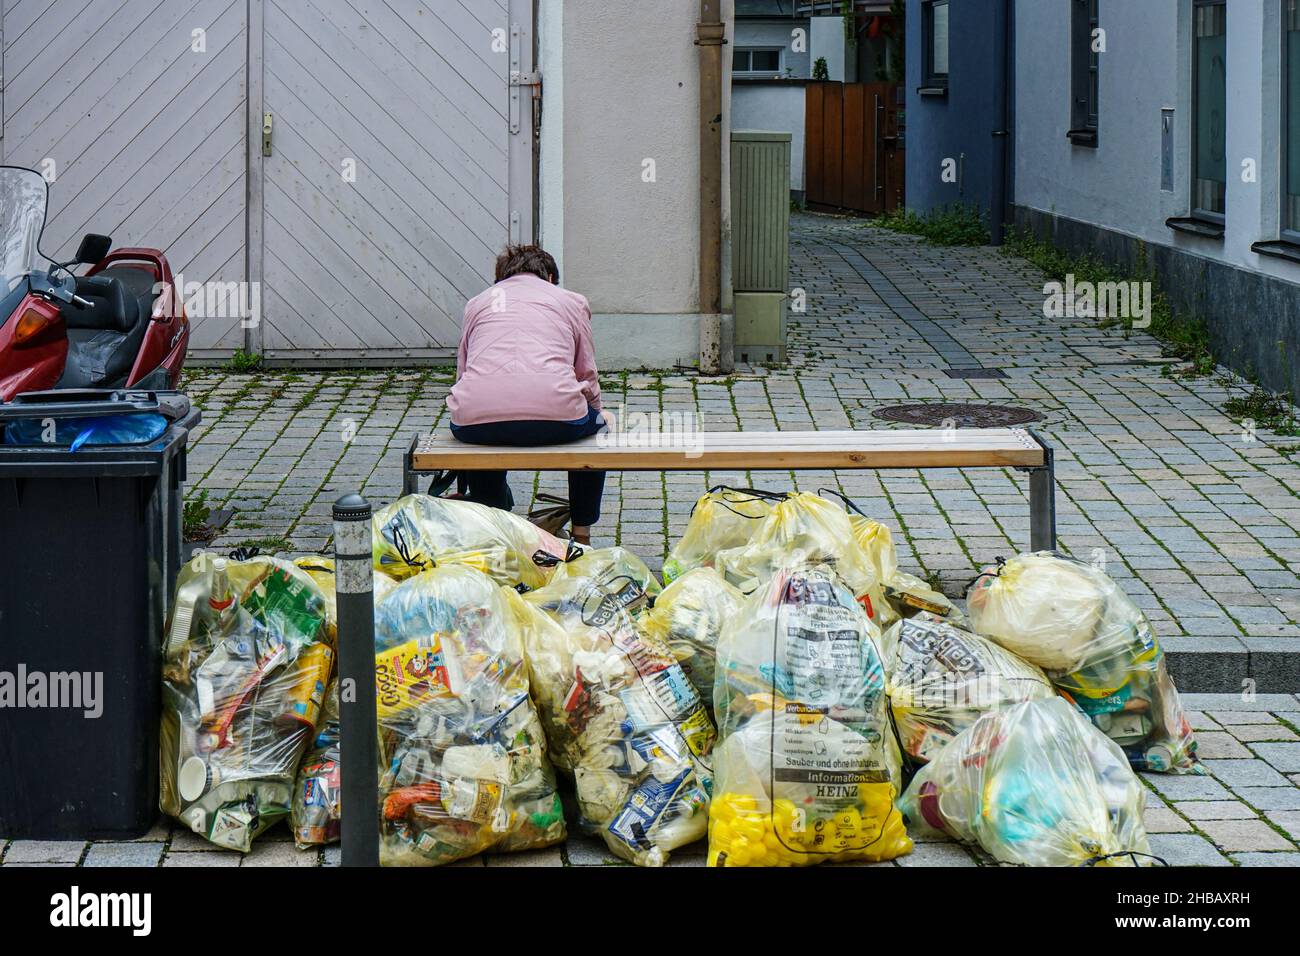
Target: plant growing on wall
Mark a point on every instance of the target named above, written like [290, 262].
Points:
[821, 71]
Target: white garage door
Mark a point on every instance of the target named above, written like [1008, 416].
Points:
[399, 160]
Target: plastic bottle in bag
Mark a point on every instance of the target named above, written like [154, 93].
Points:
[807, 766]
[1096, 645]
[619, 711]
[463, 756]
[1034, 784]
[315, 812]
[250, 652]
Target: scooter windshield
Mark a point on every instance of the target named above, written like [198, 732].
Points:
[23, 195]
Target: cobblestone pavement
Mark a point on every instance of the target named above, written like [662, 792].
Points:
[1197, 518]
[1246, 812]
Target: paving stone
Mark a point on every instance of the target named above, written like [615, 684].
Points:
[123, 854]
[1267, 859]
[937, 854]
[1187, 786]
[550, 856]
[284, 853]
[1216, 810]
[1163, 820]
[1271, 798]
[1284, 757]
[1288, 820]
[1186, 849]
[205, 859]
[1261, 732]
[1212, 744]
[1244, 835]
[44, 851]
[1245, 773]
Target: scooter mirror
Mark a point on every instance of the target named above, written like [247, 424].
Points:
[93, 248]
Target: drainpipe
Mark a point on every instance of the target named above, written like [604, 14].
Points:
[710, 37]
[1002, 122]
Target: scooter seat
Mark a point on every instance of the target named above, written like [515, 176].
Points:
[104, 338]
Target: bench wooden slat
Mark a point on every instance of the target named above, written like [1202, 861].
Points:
[753, 450]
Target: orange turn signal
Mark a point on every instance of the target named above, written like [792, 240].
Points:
[32, 324]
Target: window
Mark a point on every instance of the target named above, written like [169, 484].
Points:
[1209, 109]
[753, 60]
[934, 34]
[1291, 118]
[1085, 72]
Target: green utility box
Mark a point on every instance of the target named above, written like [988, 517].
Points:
[760, 242]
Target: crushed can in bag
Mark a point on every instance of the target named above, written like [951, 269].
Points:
[807, 766]
[249, 654]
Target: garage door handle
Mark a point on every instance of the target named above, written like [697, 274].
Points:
[266, 134]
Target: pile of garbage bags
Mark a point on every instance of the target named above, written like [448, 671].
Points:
[788, 693]
[618, 708]
[1072, 620]
[249, 654]
[807, 767]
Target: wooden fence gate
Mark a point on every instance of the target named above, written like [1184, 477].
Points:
[854, 146]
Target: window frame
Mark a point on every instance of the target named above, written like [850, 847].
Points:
[930, 80]
[750, 51]
[1085, 73]
[1197, 212]
[1288, 226]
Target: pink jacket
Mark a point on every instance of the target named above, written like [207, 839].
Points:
[525, 355]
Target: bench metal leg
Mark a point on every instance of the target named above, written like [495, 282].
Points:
[410, 479]
[1042, 502]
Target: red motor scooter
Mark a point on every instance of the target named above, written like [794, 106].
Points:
[120, 325]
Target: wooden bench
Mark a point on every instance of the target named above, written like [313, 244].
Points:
[1017, 448]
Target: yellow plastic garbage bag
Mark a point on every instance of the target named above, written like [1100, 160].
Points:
[721, 519]
[942, 678]
[314, 814]
[464, 766]
[804, 528]
[1072, 620]
[419, 532]
[807, 767]
[321, 570]
[689, 616]
[249, 654]
[619, 711]
[1034, 784]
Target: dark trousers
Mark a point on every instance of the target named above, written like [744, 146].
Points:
[491, 488]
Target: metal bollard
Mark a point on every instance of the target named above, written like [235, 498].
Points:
[358, 731]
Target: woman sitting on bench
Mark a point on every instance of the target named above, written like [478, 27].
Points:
[526, 375]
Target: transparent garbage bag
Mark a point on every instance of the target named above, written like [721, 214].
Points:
[1072, 620]
[689, 616]
[463, 757]
[1034, 784]
[618, 709]
[314, 813]
[722, 518]
[803, 528]
[249, 654]
[941, 678]
[419, 532]
[807, 766]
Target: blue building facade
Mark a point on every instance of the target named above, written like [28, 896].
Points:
[959, 106]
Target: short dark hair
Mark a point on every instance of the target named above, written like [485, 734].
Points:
[527, 260]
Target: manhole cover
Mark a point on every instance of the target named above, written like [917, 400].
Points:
[965, 416]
